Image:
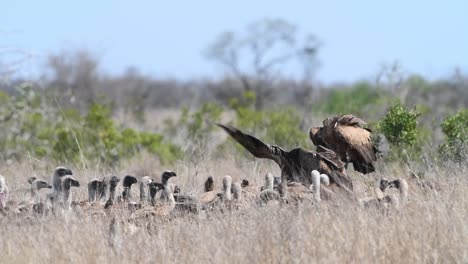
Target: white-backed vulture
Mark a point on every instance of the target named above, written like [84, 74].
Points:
[68, 182]
[33, 201]
[57, 185]
[347, 136]
[144, 188]
[128, 181]
[384, 200]
[114, 180]
[238, 201]
[3, 192]
[160, 209]
[166, 175]
[59, 172]
[97, 189]
[31, 179]
[297, 164]
[319, 179]
[268, 193]
[36, 186]
[213, 197]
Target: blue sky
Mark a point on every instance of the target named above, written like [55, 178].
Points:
[166, 38]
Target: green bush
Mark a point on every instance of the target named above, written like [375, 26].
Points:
[42, 130]
[275, 126]
[455, 128]
[357, 99]
[400, 126]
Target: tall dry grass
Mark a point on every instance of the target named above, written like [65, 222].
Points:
[431, 228]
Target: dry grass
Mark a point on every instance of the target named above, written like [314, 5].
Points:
[432, 228]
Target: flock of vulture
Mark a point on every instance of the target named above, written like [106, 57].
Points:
[305, 176]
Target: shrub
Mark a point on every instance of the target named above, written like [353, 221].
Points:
[42, 130]
[400, 126]
[456, 136]
[274, 126]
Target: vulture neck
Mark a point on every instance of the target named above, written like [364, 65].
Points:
[316, 186]
[227, 189]
[142, 191]
[269, 180]
[113, 186]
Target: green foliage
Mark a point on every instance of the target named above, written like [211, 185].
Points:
[196, 128]
[455, 129]
[42, 130]
[275, 126]
[357, 99]
[197, 125]
[400, 126]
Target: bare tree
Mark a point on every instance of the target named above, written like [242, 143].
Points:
[75, 76]
[257, 56]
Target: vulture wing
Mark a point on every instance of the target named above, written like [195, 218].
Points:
[359, 146]
[255, 146]
[330, 157]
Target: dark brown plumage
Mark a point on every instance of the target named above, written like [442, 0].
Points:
[209, 184]
[297, 164]
[347, 136]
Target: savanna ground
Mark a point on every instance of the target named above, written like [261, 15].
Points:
[431, 228]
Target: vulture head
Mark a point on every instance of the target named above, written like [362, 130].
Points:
[31, 179]
[154, 188]
[245, 183]
[59, 172]
[129, 180]
[38, 184]
[114, 180]
[209, 184]
[166, 175]
[68, 182]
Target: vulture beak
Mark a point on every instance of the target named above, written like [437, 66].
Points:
[75, 183]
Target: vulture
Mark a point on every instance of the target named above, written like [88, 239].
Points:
[268, 193]
[128, 181]
[209, 184]
[347, 136]
[97, 189]
[297, 164]
[166, 175]
[318, 179]
[36, 185]
[114, 180]
[68, 182]
[144, 188]
[384, 200]
[213, 198]
[59, 172]
[57, 185]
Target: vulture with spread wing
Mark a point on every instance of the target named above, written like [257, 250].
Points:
[296, 165]
[347, 136]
